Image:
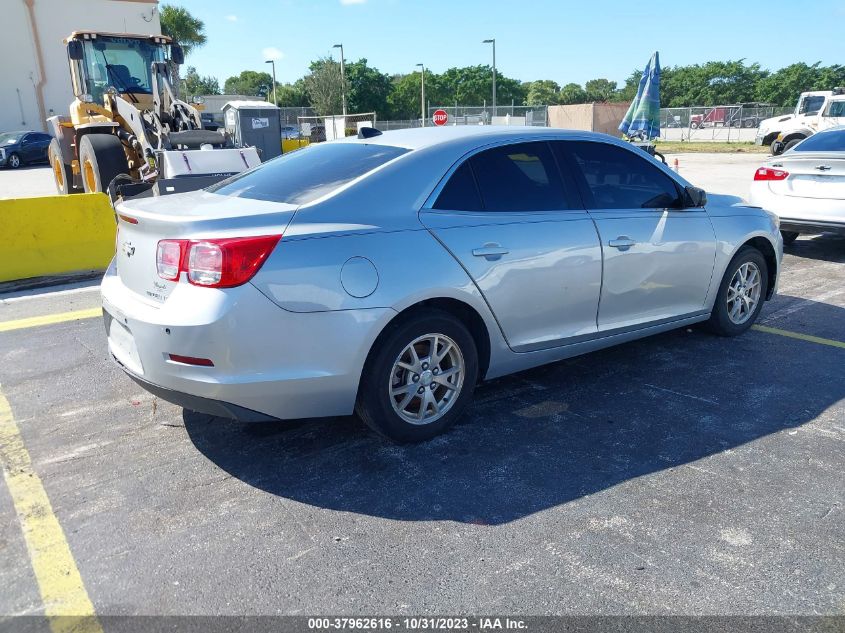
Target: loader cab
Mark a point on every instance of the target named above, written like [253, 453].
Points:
[102, 63]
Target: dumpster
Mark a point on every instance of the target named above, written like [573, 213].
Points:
[254, 124]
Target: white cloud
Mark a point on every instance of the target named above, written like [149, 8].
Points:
[271, 52]
[232, 18]
[352, 1]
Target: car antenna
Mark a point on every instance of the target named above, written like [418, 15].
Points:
[368, 132]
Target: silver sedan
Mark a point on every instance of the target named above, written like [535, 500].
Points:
[805, 186]
[388, 274]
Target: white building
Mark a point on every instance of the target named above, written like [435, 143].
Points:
[34, 78]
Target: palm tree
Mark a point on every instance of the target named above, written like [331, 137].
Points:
[179, 24]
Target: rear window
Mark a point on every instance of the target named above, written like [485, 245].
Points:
[824, 142]
[307, 174]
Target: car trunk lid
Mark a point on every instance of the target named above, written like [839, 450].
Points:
[820, 176]
[142, 223]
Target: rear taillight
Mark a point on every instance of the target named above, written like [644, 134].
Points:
[169, 259]
[215, 263]
[767, 173]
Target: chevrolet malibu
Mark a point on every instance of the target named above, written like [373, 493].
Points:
[805, 186]
[388, 274]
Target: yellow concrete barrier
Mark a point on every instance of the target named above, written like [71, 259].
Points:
[55, 235]
[290, 144]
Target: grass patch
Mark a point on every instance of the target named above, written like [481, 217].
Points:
[685, 147]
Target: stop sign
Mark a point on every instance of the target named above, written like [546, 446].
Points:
[440, 117]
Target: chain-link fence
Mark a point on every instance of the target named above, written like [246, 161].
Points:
[398, 124]
[328, 128]
[737, 123]
[290, 116]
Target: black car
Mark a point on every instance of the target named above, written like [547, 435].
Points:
[20, 148]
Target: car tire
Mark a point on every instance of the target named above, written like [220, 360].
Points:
[789, 237]
[790, 144]
[400, 366]
[101, 158]
[776, 148]
[62, 174]
[13, 161]
[694, 125]
[725, 319]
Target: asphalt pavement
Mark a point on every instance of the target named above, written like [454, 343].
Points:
[680, 474]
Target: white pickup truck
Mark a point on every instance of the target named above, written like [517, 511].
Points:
[815, 110]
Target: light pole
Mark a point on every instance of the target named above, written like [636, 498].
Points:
[422, 95]
[342, 77]
[273, 62]
[493, 42]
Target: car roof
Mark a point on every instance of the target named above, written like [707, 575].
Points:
[419, 138]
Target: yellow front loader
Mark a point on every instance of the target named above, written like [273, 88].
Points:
[127, 134]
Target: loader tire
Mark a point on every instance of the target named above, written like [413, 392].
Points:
[62, 174]
[101, 158]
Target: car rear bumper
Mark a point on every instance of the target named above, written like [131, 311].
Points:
[191, 402]
[810, 226]
[267, 362]
[819, 212]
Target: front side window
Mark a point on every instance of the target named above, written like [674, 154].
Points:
[618, 178]
[811, 105]
[520, 177]
[307, 174]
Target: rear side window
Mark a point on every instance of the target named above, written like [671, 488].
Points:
[520, 177]
[824, 142]
[618, 178]
[460, 193]
[307, 174]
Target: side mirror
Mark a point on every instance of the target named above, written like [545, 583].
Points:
[177, 55]
[694, 197]
[74, 50]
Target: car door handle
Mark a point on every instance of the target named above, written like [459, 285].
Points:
[623, 243]
[490, 251]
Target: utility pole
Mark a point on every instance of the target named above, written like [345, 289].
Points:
[275, 98]
[342, 77]
[493, 42]
[422, 94]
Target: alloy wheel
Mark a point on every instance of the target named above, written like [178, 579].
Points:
[744, 293]
[426, 379]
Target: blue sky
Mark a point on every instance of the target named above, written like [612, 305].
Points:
[535, 39]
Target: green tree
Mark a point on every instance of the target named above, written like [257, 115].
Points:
[292, 95]
[473, 85]
[369, 88]
[542, 92]
[184, 28]
[324, 85]
[629, 90]
[249, 82]
[711, 83]
[600, 89]
[404, 98]
[572, 93]
[196, 85]
[784, 86]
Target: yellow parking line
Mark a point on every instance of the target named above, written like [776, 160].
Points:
[66, 602]
[49, 319]
[799, 336]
